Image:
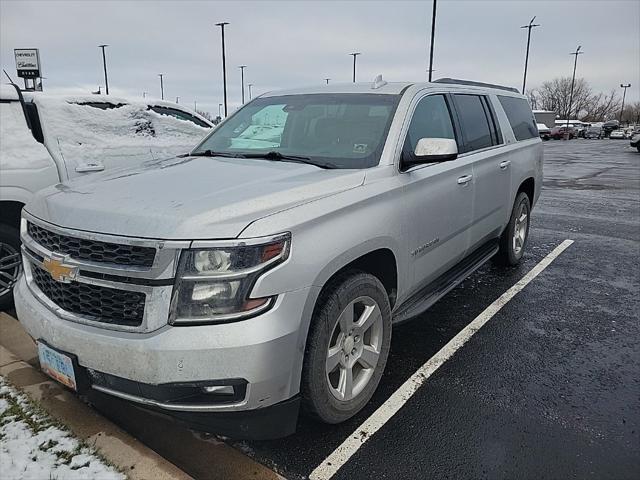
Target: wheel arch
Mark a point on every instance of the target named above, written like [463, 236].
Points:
[10, 211]
[528, 186]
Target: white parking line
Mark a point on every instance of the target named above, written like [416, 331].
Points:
[388, 409]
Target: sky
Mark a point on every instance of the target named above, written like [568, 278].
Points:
[299, 43]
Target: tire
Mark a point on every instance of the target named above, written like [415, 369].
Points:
[324, 392]
[511, 248]
[9, 270]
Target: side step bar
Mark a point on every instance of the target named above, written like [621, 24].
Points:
[434, 291]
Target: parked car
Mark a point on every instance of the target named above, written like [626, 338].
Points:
[593, 132]
[635, 141]
[543, 131]
[617, 135]
[47, 139]
[558, 133]
[610, 126]
[265, 270]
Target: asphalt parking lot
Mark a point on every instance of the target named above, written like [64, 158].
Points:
[549, 387]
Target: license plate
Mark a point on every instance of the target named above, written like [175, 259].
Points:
[57, 365]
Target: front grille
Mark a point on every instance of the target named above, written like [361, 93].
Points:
[100, 304]
[92, 250]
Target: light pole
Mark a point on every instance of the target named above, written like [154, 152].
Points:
[220, 110]
[177, 100]
[526, 57]
[242, 67]
[161, 86]
[224, 66]
[433, 35]
[250, 85]
[144, 94]
[327, 80]
[195, 106]
[624, 94]
[104, 64]
[573, 80]
[354, 54]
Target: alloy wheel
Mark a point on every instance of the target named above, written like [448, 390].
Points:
[354, 348]
[520, 229]
[10, 266]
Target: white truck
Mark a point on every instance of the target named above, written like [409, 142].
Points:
[47, 139]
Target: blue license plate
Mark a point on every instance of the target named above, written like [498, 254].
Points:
[57, 365]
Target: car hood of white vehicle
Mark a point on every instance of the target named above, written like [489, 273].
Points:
[187, 198]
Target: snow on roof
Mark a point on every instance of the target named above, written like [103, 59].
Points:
[8, 92]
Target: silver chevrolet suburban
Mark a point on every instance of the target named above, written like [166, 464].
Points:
[263, 271]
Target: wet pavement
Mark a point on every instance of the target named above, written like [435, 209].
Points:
[550, 386]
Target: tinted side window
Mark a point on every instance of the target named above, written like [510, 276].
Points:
[520, 117]
[474, 122]
[431, 119]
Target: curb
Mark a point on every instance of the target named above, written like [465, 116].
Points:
[168, 452]
[136, 460]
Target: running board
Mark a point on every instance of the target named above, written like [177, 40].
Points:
[424, 298]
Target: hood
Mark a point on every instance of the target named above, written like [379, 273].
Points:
[187, 198]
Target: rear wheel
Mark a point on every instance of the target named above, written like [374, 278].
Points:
[514, 238]
[347, 348]
[10, 263]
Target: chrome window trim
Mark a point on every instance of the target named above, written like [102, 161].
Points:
[238, 242]
[174, 406]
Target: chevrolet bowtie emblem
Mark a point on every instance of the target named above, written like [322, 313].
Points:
[58, 270]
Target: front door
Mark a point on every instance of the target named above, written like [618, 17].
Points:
[438, 196]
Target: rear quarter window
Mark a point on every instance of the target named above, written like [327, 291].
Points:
[520, 117]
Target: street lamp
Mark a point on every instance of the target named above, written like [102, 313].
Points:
[433, 35]
[526, 57]
[242, 67]
[177, 100]
[573, 80]
[224, 66]
[354, 54]
[220, 110]
[104, 64]
[624, 94]
[161, 86]
[250, 85]
[327, 80]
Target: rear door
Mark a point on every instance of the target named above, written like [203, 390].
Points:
[438, 197]
[491, 167]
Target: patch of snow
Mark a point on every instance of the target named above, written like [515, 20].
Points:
[32, 446]
[18, 148]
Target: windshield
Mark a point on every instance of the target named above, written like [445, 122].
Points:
[338, 130]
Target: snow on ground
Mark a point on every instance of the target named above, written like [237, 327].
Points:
[33, 446]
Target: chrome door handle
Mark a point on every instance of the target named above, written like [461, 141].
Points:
[464, 179]
[505, 164]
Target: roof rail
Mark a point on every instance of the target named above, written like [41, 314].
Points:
[475, 84]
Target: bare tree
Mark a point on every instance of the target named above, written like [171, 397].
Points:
[631, 113]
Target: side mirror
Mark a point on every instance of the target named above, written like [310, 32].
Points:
[429, 150]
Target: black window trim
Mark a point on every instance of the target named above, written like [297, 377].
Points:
[464, 151]
[457, 132]
[494, 125]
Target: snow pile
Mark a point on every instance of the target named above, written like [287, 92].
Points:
[126, 135]
[32, 446]
[18, 148]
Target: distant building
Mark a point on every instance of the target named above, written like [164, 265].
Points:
[545, 116]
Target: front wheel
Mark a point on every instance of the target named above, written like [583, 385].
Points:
[347, 347]
[514, 238]
[10, 263]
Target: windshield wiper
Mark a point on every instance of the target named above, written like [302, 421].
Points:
[211, 153]
[277, 156]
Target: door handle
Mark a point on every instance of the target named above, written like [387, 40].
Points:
[464, 179]
[505, 164]
[89, 167]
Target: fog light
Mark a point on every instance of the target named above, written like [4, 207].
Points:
[219, 389]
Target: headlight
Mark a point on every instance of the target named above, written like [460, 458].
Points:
[214, 284]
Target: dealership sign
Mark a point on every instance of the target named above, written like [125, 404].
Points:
[27, 62]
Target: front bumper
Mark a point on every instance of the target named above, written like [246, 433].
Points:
[265, 352]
